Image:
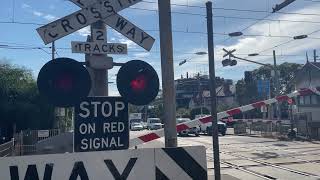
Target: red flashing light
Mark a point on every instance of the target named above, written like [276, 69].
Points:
[139, 84]
[64, 83]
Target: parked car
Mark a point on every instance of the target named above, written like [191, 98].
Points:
[131, 121]
[136, 126]
[229, 121]
[201, 115]
[145, 125]
[154, 123]
[194, 130]
[207, 128]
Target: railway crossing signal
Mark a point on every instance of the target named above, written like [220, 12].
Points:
[138, 82]
[143, 82]
[64, 81]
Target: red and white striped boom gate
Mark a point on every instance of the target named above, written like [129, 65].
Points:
[204, 120]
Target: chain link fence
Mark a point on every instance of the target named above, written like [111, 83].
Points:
[263, 128]
[25, 141]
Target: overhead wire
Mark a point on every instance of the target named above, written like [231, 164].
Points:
[225, 9]
[287, 42]
[32, 47]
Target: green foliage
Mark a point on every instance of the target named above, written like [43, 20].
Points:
[247, 93]
[20, 102]
[224, 107]
[197, 111]
[183, 112]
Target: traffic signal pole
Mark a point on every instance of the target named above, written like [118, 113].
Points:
[213, 99]
[276, 81]
[169, 96]
[99, 77]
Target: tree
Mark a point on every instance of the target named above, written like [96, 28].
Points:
[20, 102]
[183, 112]
[247, 93]
[197, 111]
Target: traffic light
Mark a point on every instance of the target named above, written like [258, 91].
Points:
[229, 62]
[63, 82]
[138, 82]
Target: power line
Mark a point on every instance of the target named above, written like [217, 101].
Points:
[30, 47]
[287, 42]
[204, 33]
[225, 9]
[215, 16]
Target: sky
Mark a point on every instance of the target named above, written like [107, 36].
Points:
[262, 30]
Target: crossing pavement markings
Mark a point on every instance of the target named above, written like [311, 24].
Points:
[181, 163]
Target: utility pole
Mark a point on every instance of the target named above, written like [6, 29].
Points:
[215, 136]
[200, 95]
[315, 55]
[276, 81]
[99, 77]
[53, 50]
[169, 95]
[57, 110]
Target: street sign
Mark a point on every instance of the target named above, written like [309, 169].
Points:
[124, 27]
[63, 82]
[180, 163]
[43, 133]
[101, 123]
[130, 31]
[98, 48]
[103, 165]
[263, 87]
[82, 18]
[98, 35]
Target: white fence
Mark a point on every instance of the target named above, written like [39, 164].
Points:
[6, 149]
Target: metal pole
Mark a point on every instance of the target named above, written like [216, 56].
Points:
[53, 50]
[213, 98]
[99, 77]
[276, 81]
[169, 95]
[200, 95]
[56, 109]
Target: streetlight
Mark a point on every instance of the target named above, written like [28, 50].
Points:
[253, 54]
[201, 53]
[235, 34]
[300, 37]
[182, 62]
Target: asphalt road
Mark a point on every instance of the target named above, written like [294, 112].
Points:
[255, 158]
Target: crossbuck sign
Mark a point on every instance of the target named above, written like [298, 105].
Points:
[91, 12]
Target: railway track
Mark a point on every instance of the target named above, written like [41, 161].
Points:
[261, 163]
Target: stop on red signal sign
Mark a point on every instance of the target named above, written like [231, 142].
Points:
[64, 82]
[138, 82]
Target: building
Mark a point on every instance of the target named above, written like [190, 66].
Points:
[307, 109]
[194, 92]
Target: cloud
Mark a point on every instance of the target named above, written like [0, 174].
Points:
[28, 8]
[37, 13]
[25, 6]
[84, 31]
[50, 17]
[141, 55]
[265, 45]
